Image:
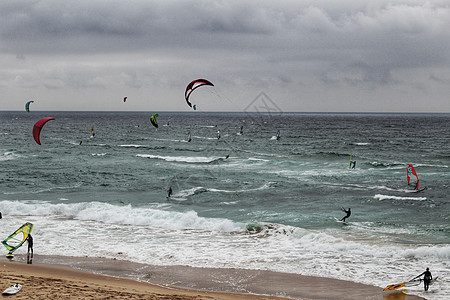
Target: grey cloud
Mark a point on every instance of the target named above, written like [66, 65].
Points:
[261, 44]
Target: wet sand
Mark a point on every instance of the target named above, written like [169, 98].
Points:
[55, 277]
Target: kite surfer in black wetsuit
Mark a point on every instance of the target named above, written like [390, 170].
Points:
[348, 213]
[426, 278]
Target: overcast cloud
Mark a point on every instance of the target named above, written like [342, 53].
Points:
[325, 56]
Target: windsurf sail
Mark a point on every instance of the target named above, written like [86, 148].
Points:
[18, 237]
[400, 285]
[410, 171]
[27, 105]
[38, 127]
[352, 162]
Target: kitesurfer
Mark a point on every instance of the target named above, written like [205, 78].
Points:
[169, 192]
[426, 278]
[30, 249]
[348, 213]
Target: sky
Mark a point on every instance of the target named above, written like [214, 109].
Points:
[295, 56]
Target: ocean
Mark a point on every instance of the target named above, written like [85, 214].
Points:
[246, 200]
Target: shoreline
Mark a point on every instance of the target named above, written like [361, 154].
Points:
[85, 277]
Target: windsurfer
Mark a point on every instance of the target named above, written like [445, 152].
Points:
[348, 213]
[30, 249]
[426, 278]
[352, 164]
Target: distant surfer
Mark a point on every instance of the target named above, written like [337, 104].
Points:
[218, 134]
[241, 132]
[352, 164]
[348, 213]
[278, 135]
[30, 249]
[169, 192]
[0, 214]
[226, 157]
[426, 278]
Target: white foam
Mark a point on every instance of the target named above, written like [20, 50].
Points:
[186, 159]
[9, 156]
[390, 197]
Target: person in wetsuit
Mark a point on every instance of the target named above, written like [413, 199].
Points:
[348, 213]
[426, 278]
[30, 249]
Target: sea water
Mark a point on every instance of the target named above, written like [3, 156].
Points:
[246, 200]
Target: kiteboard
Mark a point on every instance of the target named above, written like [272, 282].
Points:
[14, 289]
[340, 221]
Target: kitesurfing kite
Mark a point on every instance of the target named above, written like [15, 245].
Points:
[38, 127]
[17, 238]
[27, 105]
[409, 172]
[192, 86]
[125, 99]
[153, 120]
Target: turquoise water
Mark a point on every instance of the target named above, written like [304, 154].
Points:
[272, 204]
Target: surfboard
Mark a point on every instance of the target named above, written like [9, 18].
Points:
[15, 288]
[416, 191]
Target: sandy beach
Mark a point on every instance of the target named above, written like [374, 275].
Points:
[52, 277]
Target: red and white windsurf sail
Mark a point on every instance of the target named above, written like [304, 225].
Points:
[410, 172]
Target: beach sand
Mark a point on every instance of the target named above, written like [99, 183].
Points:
[53, 277]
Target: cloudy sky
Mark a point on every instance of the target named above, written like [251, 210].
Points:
[304, 55]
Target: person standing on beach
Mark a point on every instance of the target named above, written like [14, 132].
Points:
[348, 213]
[426, 278]
[30, 249]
